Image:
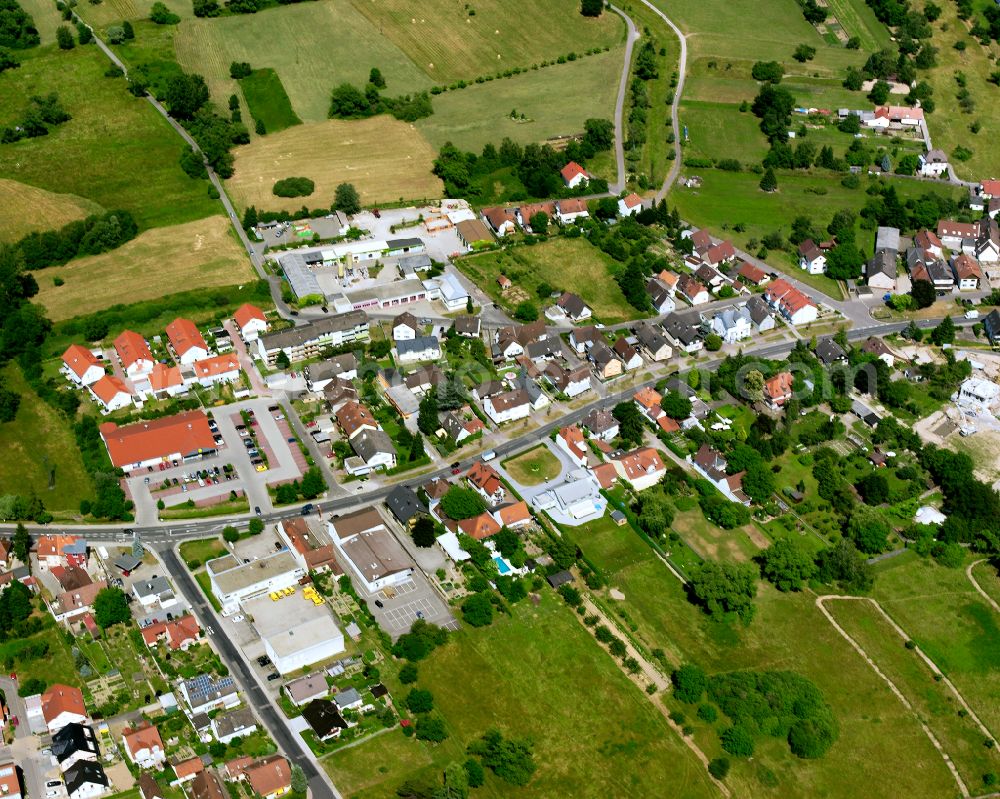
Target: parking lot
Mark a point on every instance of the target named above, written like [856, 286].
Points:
[405, 603]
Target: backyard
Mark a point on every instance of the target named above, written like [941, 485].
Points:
[534, 467]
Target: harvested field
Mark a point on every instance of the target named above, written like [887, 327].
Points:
[385, 159]
[158, 262]
[27, 209]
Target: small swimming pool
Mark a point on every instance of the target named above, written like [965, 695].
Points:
[502, 566]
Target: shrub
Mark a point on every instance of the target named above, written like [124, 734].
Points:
[719, 767]
[738, 741]
[294, 187]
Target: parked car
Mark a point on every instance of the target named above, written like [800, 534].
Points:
[273, 676]
[256, 510]
[308, 508]
[378, 603]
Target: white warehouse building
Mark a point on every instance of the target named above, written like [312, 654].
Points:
[295, 631]
[234, 582]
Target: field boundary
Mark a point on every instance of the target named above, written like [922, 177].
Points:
[978, 587]
[939, 675]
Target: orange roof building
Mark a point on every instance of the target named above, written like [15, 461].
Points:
[484, 478]
[479, 527]
[143, 745]
[251, 321]
[353, 417]
[62, 705]
[778, 389]
[218, 369]
[179, 633]
[134, 353]
[166, 379]
[516, 515]
[111, 392]
[187, 769]
[270, 777]
[81, 365]
[187, 341]
[150, 442]
[641, 468]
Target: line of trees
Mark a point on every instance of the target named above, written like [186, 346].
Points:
[95, 234]
[212, 8]
[349, 102]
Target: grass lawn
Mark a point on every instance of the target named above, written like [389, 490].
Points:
[951, 622]
[112, 12]
[204, 581]
[385, 159]
[932, 701]
[57, 665]
[28, 209]
[116, 151]
[46, 17]
[787, 633]
[535, 675]
[226, 508]
[40, 453]
[450, 41]
[203, 550]
[566, 264]
[295, 41]
[534, 467]
[471, 117]
[268, 101]
[203, 254]
[857, 19]
[715, 543]
[988, 578]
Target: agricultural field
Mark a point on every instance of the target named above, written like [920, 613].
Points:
[112, 12]
[46, 16]
[200, 254]
[267, 100]
[481, 113]
[932, 701]
[116, 151]
[534, 672]
[312, 46]
[565, 264]
[40, 453]
[534, 467]
[385, 159]
[788, 632]
[452, 42]
[27, 209]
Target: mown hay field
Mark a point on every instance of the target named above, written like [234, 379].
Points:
[27, 209]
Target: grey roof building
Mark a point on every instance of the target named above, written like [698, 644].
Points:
[370, 443]
[830, 352]
[887, 238]
[404, 504]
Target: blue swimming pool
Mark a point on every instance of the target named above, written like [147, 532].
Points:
[502, 566]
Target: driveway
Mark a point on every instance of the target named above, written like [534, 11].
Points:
[247, 363]
[530, 492]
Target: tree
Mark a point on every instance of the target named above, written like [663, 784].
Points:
[923, 293]
[944, 333]
[281, 360]
[469, 307]
[347, 199]
[474, 772]
[349, 102]
[462, 503]
[255, 526]
[111, 607]
[591, 8]
[419, 700]
[477, 610]
[879, 93]
[737, 741]
[812, 737]
[408, 674]
[713, 342]
[312, 484]
[539, 223]
[299, 782]
[510, 759]
[230, 534]
[599, 134]
[162, 15]
[769, 182]
[804, 53]
[293, 187]
[375, 78]
[675, 405]
[767, 71]
[753, 386]
[689, 683]
[261, 130]
[10, 401]
[844, 261]
[237, 69]
[526, 311]
[758, 483]
[722, 588]
[424, 532]
[787, 565]
[8, 60]
[129, 30]
[844, 564]
[64, 38]
[427, 420]
[185, 95]
[869, 530]
[431, 728]
[719, 767]
[874, 488]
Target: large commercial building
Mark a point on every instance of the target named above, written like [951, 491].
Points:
[374, 556]
[233, 581]
[185, 436]
[308, 341]
[295, 631]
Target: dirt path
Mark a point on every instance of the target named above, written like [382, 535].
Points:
[649, 673]
[630, 38]
[978, 587]
[820, 603]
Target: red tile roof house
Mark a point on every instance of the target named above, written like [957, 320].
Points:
[186, 770]
[926, 240]
[270, 777]
[571, 441]
[989, 189]
[62, 705]
[166, 381]
[144, 746]
[10, 785]
[778, 389]
[573, 175]
[111, 393]
[513, 516]
[968, 273]
[630, 205]
[958, 236]
[81, 366]
[648, 401]
[60, 550]
[640, 468]
[148, 443]
[186, 340]
[751, 275]
[721, 253]
[70, 605]
[251, 321]
[178, 633]
[485, 479]
[570, 210]
[525, 212]
[479, 527]
[219, 369]
[134, 354]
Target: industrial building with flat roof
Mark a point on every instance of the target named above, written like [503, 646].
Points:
[233, 582]
[369, 548]
[295, 631]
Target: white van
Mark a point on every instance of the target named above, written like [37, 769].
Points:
[488, 456]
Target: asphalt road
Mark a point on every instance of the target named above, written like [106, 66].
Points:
[253, 695]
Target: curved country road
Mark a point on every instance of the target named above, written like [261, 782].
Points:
[619, 185]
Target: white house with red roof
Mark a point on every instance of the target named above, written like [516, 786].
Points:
[571, 441]
[251, 321]
[778, 390]
[134, 354]
[513, 516]
[574, 175]
[484, 479]
[794, 306]
[62, 705]
[81, 366]
[111, 393]
[640, 468]
[10, 785]
[218, 369]
[630, 205]
[166, 381]
[570, 210]
[144, 746]
[187, 342]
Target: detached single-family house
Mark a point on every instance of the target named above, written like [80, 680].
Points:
[732, 324]
[62, 705]
[630, 205]
[421, 348]
[812, 258]
[217, 369]
[186, 340]
[794, 306]
[606, 363]
[270, 777]
[143, 745]
[653, 342]
[81, 366]
[934, 164]
[968, 273]
[571, 441]
[830, 352]
[513, 515]
[486, 481]
[661, 296]
[324, 719]
[525, 212]
[722, 253]
[991, 327]
[760, 314]
[640, 468]
[927, 241]
[877, 347]
[574, 175]
[571, 382]
[501, 220]
[583, 338]
[750, 275]
[86, 780]
[405, 327]
[111, 393]
[778, 390]
[467, 326]
[693, 291]
[10, 785]
[251, 321]
[478, 527]
[134, 354]
[168, 381]
[627, 353]
[509, 406]
[568, 211]
[574, 307]
[880, 271]
[73, 743]
[237, 723]
[684, 332]
[988, 243]
[375, 449]
[958, 236]
[600, 424]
